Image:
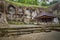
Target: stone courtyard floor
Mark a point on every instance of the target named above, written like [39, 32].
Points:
[54, 35]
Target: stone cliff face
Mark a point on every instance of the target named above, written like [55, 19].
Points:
[3, 21]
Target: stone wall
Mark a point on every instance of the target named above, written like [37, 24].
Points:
[18, 13]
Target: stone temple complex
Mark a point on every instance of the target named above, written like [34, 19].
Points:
[30, 14]
[35, 19]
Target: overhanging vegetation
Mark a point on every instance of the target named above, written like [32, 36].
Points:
[32, 5]
[27, 5]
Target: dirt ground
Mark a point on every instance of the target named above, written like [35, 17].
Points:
[35, 36]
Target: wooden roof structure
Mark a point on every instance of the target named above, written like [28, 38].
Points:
[45, 15]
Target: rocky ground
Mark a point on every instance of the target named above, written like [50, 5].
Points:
[54, 35]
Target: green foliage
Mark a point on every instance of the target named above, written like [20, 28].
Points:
[35, 3]
[44, 3]
[53, 2]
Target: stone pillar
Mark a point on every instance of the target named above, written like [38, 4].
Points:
[37, 15]
[31, 15]
[27, 16]
[16, 9]
[23, 18]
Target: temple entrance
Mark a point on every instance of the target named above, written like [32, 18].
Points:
[46, 20]
[45, 17]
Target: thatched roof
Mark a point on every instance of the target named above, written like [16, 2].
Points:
[45, 14]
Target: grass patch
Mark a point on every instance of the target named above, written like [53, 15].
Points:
[19, 23]
[16, 23]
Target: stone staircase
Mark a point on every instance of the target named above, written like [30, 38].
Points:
[19, 31]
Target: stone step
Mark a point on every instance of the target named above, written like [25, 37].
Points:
[21, 30]
[26, 29]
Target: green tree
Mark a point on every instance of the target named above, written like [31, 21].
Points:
[44, 3]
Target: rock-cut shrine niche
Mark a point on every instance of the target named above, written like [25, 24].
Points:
[11, 9]
[20, 12]
[45, 17]
[27, 13]
[34, 13]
